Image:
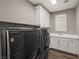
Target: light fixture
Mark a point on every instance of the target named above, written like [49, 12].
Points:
[65, 1]
[53, 1]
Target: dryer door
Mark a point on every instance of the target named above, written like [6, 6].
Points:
[21, 44]
[15, 44]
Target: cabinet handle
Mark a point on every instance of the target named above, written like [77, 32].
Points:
[58, 42]
[44, 25]
[68, 45]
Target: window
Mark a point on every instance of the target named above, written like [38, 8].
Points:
[60, 22]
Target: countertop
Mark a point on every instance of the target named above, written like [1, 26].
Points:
[73, 36]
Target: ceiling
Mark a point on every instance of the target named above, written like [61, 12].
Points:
[61, 5]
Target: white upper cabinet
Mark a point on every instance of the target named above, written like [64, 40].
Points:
[42, 17]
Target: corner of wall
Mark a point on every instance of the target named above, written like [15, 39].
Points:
[77, 18]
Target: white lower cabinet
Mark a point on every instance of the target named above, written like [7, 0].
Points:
[65, 44]
[54, 43]
[72, 45]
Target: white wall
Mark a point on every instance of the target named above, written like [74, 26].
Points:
[17, 11]
[77, 18]
[71, 21]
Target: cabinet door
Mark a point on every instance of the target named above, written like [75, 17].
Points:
[42, 17]
[37, 15]
[54, 43]
[47, 20]
[72, 46]
[77, 46]
[63, 44]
